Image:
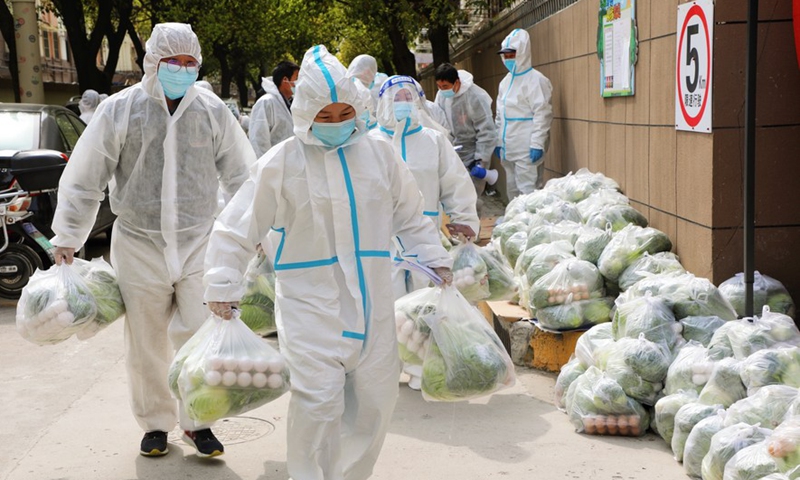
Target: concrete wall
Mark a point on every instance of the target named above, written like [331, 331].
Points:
[687, 184]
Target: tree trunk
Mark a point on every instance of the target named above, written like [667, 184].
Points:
[241, 85]
[225, 73]
[439, 37]
[7, 29]
[402, 58]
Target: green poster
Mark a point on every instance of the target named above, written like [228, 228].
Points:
[617, 47]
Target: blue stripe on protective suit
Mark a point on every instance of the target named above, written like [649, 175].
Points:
[297, 265]
[326, 74]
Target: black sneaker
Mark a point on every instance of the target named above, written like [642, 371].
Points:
[154, 444]
[204, 442]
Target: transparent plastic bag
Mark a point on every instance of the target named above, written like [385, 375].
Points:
[466, 359]
[515, 246]
[639, 366]
[720, 345]
[578, 186]
[55, 304]
[572, 277]
[183, 353]
[772, 366]
[557, 213]
[687, 295]
[685, 419]
[597, 405]
[470, 273]
[591, 243]
[700, 329]
[691, 369]
[230, 371]
[726, 443]
[548, 233]
[616, 217]
[539, 199]
[568, 374]
[725, 385]
[766, 291]
[258, 303]
[784, 444]
[648, 315]
[599, 200]
[665, 410]
[594, 339]
[699, 441]
[661, 262]
[539, 260]
[767, 407]
[502, 284]
[101, 280]
[751, 463]
[628, 245]
[575, 314]
[768, 330]
[413, 332]
[503, 232]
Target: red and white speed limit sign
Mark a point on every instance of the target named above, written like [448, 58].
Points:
[693, 69]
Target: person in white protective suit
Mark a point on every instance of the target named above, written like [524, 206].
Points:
[332, 198]
[88, 104]
[524, 116]
[271, 117]
[362, 70]
[375, 89]
[468, 110]
[436, 167]
[169, 146]
[204, 84]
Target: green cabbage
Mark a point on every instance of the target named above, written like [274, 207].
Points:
[568, 374]
[699, 441]
[207, 404]
[591, 243]
[691, 369]
[766, 291]
[687, 417]
[645, 315]
[665, 410]
[775, 366]
[572, 315]
[629, 244]
[766, 407]
[725, 444]
[648, 265]
[700, 329]
[725, 385]
[616, 217]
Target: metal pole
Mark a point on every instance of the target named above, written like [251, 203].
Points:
[750, 155]
[28, 56]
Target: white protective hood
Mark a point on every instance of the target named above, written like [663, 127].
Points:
[364, 68]
[168, 40]
[520, 41]
[322, 81]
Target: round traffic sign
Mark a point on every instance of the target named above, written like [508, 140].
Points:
[693, 70]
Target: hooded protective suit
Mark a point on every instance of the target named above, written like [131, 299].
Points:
[270, 119]
[439, 173]
[364, 68]
[332, 212]
[469, 119]
[167, 169]
[437, 115]
[524, 115]
[88, 104]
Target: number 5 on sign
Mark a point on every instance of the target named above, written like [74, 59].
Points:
[693, 70]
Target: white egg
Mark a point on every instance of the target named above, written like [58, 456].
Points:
[230, 363]
[469, 271]
[229, 379]
[470, 280]
[244, 379]
[416, 336]
[214, 363]
[261, 364]
[699, 379]
[259, 380]
[213, 378]
[399, 319]
[61, 306]
[245, 364]
[412, 345]
[402, 338]
[275, 381]
[276, 365]
[65, 319]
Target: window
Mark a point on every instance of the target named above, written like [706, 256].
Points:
[19, 130]
[46, 44]
[56, 47]
[78, 124]
[67, 131]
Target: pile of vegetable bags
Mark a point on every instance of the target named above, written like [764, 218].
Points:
[225, 369]
[766, 291]
[78, 299]
[482, 274]
[461, 356]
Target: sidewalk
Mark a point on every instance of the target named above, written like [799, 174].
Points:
[66, 416]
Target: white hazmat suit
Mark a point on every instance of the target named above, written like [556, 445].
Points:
[363, 68]
[332, 212]
[524, 116]
[270, 119]
[440, 175]
[88, 104]
[167, 170]
[470, 121]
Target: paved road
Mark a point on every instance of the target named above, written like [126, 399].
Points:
[65, 416]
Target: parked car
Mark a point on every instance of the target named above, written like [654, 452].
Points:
[36, 142]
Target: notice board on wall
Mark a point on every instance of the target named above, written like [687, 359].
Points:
[617, 47]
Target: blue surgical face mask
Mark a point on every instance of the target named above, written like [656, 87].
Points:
[447, 93]
[293, 89]
[175, 84]
[333, 134]
[510, 63]
[402, 110]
